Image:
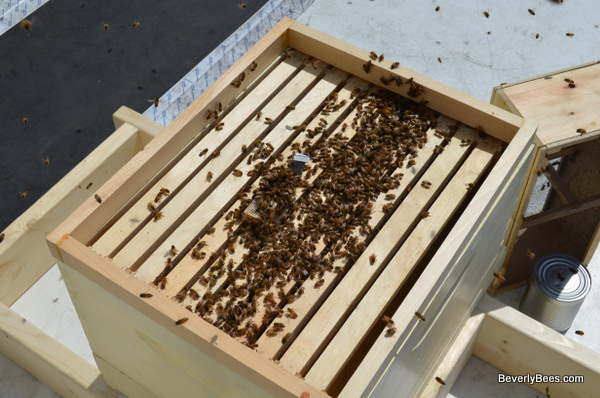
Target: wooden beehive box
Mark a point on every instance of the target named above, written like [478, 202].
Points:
[564, 104]
[337, 280]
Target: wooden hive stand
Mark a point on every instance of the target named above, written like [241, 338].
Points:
[343, 277]
[565, 105]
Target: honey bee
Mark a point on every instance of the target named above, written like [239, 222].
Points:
[367, 67]
[286, 338]
[105, 26]
[440, 380]
[209, 114]
[384, 80]
[157, 215]
[486, 14]
[271, 333]
[163, 283]
[395, 65]
[173, 250]
[390, 196]
[136, 24]
[420, 316]
[98, 198]
[372, 259]
[89, 186]
[215, 154]
[470, 186]
[194, 294]
[530, 254]
[46, 160]
[499, 277]
[291, 314]
[237, 173]
[390, 332]
[411, 163]
[219, 107]
[570, 34]
[581, 131]
[26, 25]
[151, 207]
[319, 283]
[579, 332]
[268, 120]
[465, 142]
[203, 152]
[2, 236]
[155, 101]
[219, 126]
[439, 60]
[531, 11]
[548, 389]
[25, 120]
[145, 295]
[23, 194]
[253, 66]
[437, 8]
[380, 58]
[181, 321]
[290, 107]
[424, 214]
[287, 53]
[211, 231]
[537, 35]
[373, 55]
[242, 6]
[426, 184]
[387, 320]
[313, 64]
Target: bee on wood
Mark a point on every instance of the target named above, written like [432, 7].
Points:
[465, 142]
[173, 250]
[390, 332]
[291, 314]
[372, 259]
[384, 80]
[581, 131]
[424, 214]
[373, 55]
[319, 283]
[215, 154]
[253, 66]
[411, 163]
[157, 215]
[219, 107]
[98, 198]
[313, 63]
[286, 338]
[219, 126]
[290, 107]
[437, 8]
[367, 67]
[570, 34]
[531, 11]
[163, 283]
[194, 294]
[395, 65]
[209, 115]
[237, 173]
[579, 332]
[145, 295]
[390, 196]
[387, 320]
[211, 231]
[89, 186]
[287, 53]
[420, 316]
[486, 14]
[151, 207]
[271, 333]
[499, 277]
[268, 121]
[440, 380]
[380, 58]
[530, 254]
[470, 186]
[181, 321]
[2, 236]
[426, 184]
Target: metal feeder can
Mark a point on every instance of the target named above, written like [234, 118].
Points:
[559, 286]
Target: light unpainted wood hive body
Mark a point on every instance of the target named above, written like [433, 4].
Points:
[362, 267]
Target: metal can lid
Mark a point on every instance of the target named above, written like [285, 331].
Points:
[562, 277]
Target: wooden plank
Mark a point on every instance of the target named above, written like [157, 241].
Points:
[176, 177]
[559, 185]
[592, 246]
[474, 242]
[224, 194]
[101, 287]
[138, 250]
[519, 345]
[562, 211]
[145, 166]
[20, 267]
[315, 334]
[372, 305]
[149, 128]
[49, 361]
[550, 103]
[446, 100]
[456, 358]
[126, 385]
[188, 267]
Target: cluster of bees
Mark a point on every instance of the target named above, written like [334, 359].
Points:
[309, 224]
